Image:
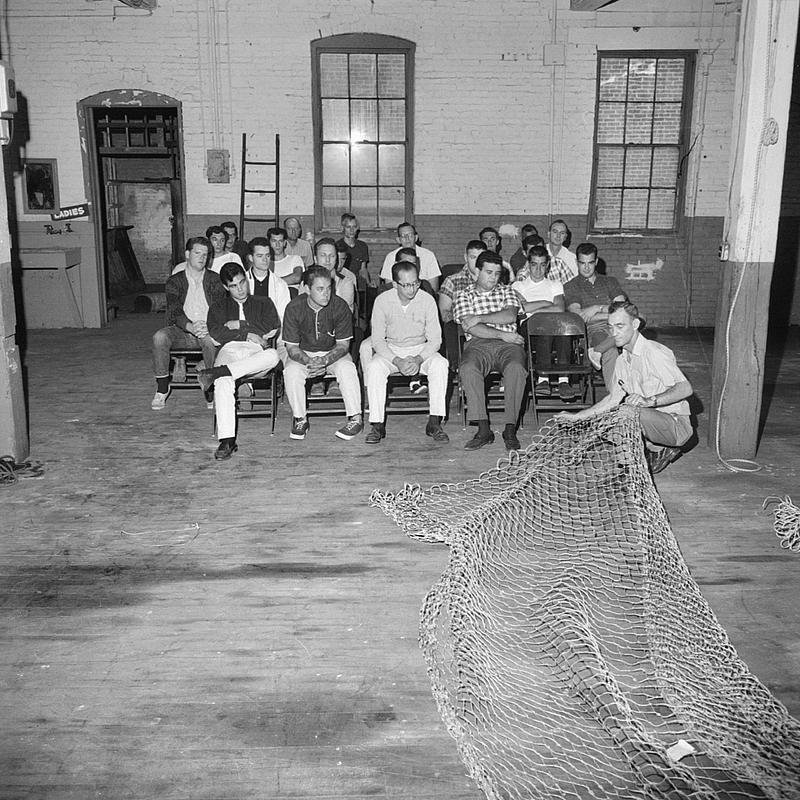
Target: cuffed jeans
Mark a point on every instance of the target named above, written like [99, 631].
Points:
[377, 369]
[244, 360]
[173, 337]
[482, 356]
[344, 370]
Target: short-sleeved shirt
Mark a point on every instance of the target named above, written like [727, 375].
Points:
[649, 369]
[582, 291]
[317, 330]
[359, 254]
[472, 302]
[301, 248]
[428, 265]
[564, 266]
[544, 289]
[287, 265]
[453, 284]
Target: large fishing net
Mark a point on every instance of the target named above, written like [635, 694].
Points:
[571, 653]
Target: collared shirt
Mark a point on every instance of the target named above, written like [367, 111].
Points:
[453, 284]
[195, 306]
[564, 266]
[585, 293]
[395, 325]
[544, 289]
[317, 330]
[428, 265]
[649, 369]
[302, 249]
[273, 287]
[471, 302]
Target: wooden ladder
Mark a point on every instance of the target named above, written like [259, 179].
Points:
[273, 221]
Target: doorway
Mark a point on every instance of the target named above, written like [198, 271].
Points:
[135, 175]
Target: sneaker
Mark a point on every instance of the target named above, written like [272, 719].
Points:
[658, 460]
[227, 447]
[334, 390]
[179, 370]
[159, 400]
[350, 429]
[417, 387]
[317, 389]
[543, 389]
[566, 391]
[376, 432]
[299, 428]
[510, 438]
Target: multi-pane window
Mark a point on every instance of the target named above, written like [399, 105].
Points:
[640, 141]
[363, 124]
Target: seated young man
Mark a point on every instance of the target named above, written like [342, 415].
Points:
[218, 239]
[406, 337]
[245, 326]
[589, 294]
[520, 257]
[358, 251]
[326, 255]
[317, 328]
[647, 377]
[288, 267]
[451, 286]
[428, 265]
[234, 244]
[494, 244]
[487, 311]
[190, 293]
[540, 295]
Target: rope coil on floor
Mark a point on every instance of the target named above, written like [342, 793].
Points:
[787, 522]
[10, 471]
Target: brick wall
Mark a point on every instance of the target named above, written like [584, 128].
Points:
[499, 135]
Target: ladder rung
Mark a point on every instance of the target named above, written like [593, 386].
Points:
[262, 163]
[260, 191]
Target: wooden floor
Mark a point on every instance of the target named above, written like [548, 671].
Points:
[173, 627]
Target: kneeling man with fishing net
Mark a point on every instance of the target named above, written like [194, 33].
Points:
[646, 377]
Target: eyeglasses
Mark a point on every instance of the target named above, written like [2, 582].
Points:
[412, 285]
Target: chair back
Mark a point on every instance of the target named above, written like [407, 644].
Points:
[558, 323]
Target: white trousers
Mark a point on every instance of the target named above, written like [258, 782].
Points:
[377, 369]
[295, 375]
[244, 360]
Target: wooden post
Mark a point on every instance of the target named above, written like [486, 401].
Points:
[765, 57]
[13, 419]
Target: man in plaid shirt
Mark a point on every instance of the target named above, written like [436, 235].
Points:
[487, 311]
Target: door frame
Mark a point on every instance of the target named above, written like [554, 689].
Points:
[91, 169]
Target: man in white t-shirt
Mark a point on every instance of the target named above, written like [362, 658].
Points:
[428, 265]
[290, 268]
[542, 295]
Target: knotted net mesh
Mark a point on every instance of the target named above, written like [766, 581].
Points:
[568, 647]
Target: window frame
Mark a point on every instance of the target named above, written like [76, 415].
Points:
[690, 59]
[373, 43]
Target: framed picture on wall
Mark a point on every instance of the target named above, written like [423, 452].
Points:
[40, 185]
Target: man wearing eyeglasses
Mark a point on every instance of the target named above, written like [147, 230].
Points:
[406, 337]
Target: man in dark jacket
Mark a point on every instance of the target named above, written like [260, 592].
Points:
[246, 327]
[190, 293]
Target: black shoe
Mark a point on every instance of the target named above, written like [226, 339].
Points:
[479, 440]
[658, 460]
[436, 433]
[227, 447]
[542, 389]
[375, 433]
[566, 391]
[510, 438]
